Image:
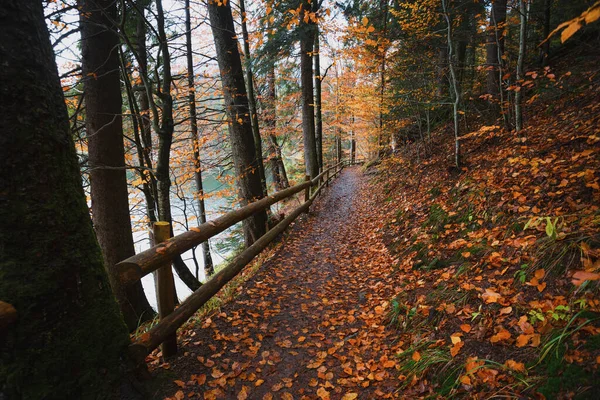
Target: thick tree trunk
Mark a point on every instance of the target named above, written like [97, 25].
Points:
[252, 102]
[237, 109]
[307, 42]
[318, 113]
[69, 335]
[104, 129]
[208, 262]
[495, 47]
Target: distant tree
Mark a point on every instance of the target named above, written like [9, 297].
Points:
[69, 336]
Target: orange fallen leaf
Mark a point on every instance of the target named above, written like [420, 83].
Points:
[581, 276]
[503, 334]
[243, 394]
[416, 356]
[456, 348]
[465, 328]
[350, 396]
[489, 296]
[515, 365]
[323, 393]
[522, 340]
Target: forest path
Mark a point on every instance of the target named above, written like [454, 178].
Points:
[310, 324]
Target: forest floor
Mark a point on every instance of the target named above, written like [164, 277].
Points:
[311, 322]
[414, 279]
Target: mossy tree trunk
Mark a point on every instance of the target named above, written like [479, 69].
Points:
[69, 335]
[104, 129]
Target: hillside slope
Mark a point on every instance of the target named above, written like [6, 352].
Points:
[498, 263]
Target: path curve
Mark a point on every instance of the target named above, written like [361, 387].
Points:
[311, 323]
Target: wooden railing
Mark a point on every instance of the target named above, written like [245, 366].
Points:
[159, 257]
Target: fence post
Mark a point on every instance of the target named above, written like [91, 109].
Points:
[327, 179]
[321, 179]
[165, 288]
[307, 190]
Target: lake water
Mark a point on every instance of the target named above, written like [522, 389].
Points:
[215, 206]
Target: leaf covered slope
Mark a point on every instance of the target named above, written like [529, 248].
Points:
[499, 263]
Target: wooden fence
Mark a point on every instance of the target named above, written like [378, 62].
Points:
[159, 257]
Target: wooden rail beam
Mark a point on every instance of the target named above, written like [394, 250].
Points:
[134, 268]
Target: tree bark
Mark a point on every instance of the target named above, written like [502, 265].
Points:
[144, 118]
[495, 46]
[454, 83]
[520, 62]
[275, 158]
[69, 336]
[318, 113]
[307, 42]
[382, 136]
[545, 47]
[104, 130]
[208, 262]
[252, 102]
[165, 130]
[237, 109]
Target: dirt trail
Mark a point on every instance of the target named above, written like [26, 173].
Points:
[311, 323]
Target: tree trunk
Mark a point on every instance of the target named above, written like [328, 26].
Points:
[318, 114]
[237, 109]
[144, 118]
[307, 42]
[495, 47]
[69, 335]
[520, 62]
[545, 48]
[104, 130]
[165, 139]
[454, 83]
[275, 158]
[252, 102]
[208, 262]
[383, 141]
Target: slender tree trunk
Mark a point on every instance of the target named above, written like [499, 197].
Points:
[237, 109]
[495, 46]
[338, 130]
[318, 113]
[144, 117]
[275, 161]
[545, 48]
[252, 102]
[520, 62]
[383, 140]
[104, 129]
[307, 42]
[165, 130]
[208, 262]
[69, 336]
[456, 93]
